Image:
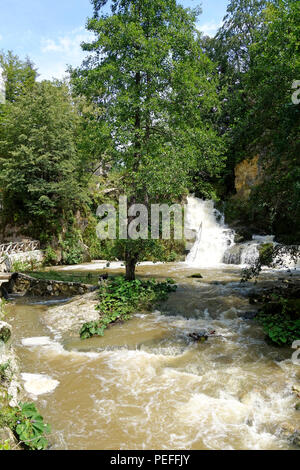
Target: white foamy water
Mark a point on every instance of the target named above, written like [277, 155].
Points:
[53, 348]
[214, 242]
[147, 385]
[38, 384]
[213, 236]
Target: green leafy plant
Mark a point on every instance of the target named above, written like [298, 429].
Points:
[30, 427]
[3, 370]
[282, 325]
[280, 329]
[50, 256]
[119, 298]
[25, 422]
[25, 266]
[5, 446]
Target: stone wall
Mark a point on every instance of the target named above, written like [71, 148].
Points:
[27, 285]
[36, 257]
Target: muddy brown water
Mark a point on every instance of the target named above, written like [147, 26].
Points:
[147, 385]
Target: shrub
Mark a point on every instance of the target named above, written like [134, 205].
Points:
[50, 256]
[26, 423]
[281, 321]
[119, 298]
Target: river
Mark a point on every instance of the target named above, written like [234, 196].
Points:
[147, 385]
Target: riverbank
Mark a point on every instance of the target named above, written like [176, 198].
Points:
[21, 426]
[147, 384]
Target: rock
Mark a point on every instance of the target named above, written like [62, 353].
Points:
[297, 406]
[3, 292]
[23, 284]
[201, 335]
[196, 276]
[295, 439]
[35, 257]
[242, 234]
[296, 389]
[248, 315]
[7, 436]
[5, 331]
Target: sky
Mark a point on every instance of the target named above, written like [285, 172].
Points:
[50, 32]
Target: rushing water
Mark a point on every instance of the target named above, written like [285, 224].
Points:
[147, 385]
[213, 237]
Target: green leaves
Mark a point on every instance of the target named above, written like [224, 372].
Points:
[119, 298]
[31, 428]
[38, 157]
[156, 89]
[27, 424]
[280, 327]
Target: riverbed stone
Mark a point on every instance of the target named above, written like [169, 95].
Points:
[20, 283]
[5, 331]
[69, 317]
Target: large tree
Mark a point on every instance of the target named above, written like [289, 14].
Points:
[19, 75]
[271, 125]
[230, 51]
[38, 158]
[157, 94]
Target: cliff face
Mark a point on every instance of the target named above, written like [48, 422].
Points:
[247, 174]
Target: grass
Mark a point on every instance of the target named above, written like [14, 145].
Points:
[85, 278]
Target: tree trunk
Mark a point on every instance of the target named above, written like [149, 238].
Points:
[130, 268]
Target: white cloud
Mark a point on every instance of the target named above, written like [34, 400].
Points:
[209, 29]
[62, 51]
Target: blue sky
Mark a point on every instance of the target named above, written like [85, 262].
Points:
[50, 31]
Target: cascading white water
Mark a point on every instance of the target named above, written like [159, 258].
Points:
[213, 237]
[214, 242]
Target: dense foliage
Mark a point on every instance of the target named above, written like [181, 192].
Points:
[156, 110]
[257, 50]
[157, 97]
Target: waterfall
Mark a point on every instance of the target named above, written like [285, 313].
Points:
[212, 236]
[214, 241]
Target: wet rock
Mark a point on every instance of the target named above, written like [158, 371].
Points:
[5, 331]
[201, 335]
[3, 292]
[196, 276]
[248, 315]
[297, 406]
[291, 433]
[295, 439]
[296, 389]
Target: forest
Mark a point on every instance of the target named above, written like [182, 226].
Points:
[193, 334]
